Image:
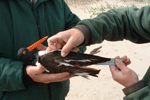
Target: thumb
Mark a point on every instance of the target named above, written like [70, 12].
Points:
[114, 70]
[121, 65]
[39, 69]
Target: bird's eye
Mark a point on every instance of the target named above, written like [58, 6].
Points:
[24, 52]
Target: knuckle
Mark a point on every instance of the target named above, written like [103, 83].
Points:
[117, 57]
[124, 57]
[48, 39]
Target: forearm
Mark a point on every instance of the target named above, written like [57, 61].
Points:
[11, 75]
[118, 24]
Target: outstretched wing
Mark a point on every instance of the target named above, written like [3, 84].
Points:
[72, 59]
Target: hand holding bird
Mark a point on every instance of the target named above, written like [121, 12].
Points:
[37, 75]
[53, 62]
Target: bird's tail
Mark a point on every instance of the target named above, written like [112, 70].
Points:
[96, 50]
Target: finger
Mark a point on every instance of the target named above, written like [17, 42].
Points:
[51, 41]
[120, 65]
[48, 50]
[49, 78]
[58, 38]
[35, 70]
[113, 70]
[58, 45]
[58, 76]
[117, 57]
[68, 47]
[68, 77]
[127, 62]
[39, 69]
[124, 58]
[41, 47]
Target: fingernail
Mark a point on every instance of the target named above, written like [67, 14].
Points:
[63, 54]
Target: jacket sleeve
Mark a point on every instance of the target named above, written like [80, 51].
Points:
[11, 75]
[138, 91]
[118, 24]
[141, 94]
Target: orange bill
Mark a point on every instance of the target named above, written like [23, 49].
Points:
[33, 46]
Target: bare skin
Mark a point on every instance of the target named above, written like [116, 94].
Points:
[65, 40]
[37, 75]
[122, 74]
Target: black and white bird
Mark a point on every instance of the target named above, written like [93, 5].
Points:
[75, 63]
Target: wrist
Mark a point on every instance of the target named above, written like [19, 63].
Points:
[26, 78]
[86, 32]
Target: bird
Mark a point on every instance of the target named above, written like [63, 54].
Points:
[76, 63]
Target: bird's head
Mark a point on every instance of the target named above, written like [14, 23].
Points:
[26, 55]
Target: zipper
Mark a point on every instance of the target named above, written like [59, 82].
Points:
[32, 6]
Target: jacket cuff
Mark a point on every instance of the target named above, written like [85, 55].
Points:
[133, 88]
[26, 78]
[86, 31]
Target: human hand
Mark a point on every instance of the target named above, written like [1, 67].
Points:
[65, 40]
[37, 75]
[122, 74]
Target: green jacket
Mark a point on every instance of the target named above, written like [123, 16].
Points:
[20, 26]
[117, 24]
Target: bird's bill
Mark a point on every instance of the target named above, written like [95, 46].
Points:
[33, 46]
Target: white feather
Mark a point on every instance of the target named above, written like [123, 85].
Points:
[61, 63]
[42, 52]
[81, 74]
[85, 60]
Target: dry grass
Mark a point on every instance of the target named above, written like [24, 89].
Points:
[91, 1]
[94, 7]
[80, 2]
